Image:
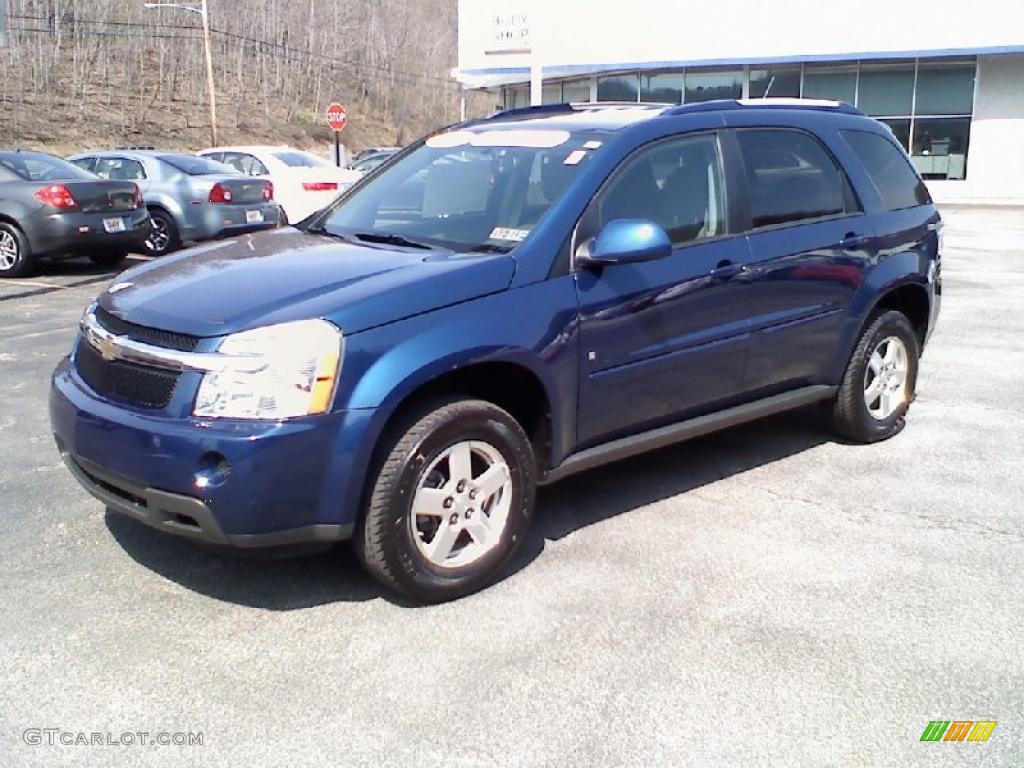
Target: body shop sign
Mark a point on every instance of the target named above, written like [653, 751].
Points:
[510, 32]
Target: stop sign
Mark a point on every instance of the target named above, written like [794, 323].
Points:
[336, 117]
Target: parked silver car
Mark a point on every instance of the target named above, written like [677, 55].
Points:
[188, 197]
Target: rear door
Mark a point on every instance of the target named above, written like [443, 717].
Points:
[666, 338]
[810, 245]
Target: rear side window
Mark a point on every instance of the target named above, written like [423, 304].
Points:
[195, 166]
[889, 169]
[245, 163]
[791, 178]
[119, 168]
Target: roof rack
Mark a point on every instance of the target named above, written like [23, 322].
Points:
[822, 105]
[570, 107]
[135, 149]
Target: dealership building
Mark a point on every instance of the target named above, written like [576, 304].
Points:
[946, 77]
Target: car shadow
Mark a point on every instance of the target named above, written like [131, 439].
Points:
[284, 584]
[583, 500]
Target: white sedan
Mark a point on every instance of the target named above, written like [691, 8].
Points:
[303, 183]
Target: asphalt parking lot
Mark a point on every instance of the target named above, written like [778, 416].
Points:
[765, 596]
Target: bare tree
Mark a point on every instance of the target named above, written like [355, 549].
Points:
[94, 73]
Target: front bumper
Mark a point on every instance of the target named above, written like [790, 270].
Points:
[235, 483]
[75, 233]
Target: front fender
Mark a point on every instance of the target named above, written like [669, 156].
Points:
[533, 326]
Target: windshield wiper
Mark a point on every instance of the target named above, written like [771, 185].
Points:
[388, 239]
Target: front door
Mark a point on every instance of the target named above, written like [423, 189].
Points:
[662, 339]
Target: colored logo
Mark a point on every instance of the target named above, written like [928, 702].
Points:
[958, 730]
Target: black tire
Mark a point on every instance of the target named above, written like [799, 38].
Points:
[851, 417]
[108, 259]
[23, 263]
[384, 540]
[160, 223]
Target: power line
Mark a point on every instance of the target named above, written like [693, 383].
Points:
[400, 75]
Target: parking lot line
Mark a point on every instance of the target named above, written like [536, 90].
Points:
[19, 283]
[51, 288]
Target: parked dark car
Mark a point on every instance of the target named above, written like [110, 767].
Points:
[372, 159]
[569, 285]
[51, 209]
[188, 197]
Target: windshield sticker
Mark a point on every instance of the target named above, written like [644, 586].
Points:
[591, 144]
[535, 139]
[575, 156]
[506, 233]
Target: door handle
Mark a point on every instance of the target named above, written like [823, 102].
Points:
[852, 241]
[726, 270]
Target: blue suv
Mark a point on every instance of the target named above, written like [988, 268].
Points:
[506, 302]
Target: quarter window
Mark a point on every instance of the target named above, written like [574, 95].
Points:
[791, 178]
[889, 169]
[675, 183]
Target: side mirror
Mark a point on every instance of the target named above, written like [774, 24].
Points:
[625, 241]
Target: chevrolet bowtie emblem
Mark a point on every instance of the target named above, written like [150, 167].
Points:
[107, 348]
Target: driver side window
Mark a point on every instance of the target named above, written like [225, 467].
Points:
[675, 183]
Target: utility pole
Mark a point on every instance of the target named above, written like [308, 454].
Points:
[211, 91]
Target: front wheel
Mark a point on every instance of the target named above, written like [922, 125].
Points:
[451, 501]
[880, 380]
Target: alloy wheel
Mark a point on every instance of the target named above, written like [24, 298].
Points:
[461, 505]
[159, 237]
[885, 378]
[8, 251]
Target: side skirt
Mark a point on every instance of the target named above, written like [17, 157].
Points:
[685, 430]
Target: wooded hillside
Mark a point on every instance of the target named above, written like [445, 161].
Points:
[83, 74]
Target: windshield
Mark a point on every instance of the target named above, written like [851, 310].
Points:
[298, 159]
[466, 190]
[38, 166]
[197, 166]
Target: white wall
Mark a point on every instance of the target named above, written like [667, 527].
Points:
[596, 33]
[995, 159]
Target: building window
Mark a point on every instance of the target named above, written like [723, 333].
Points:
[900, 128]
[663, 89]
[551, 93]
[830, 83]
[944, 89]
[618, 88]
[574, 91]
[940, 147]
[707, 86]
[886, 90]
[774, 83]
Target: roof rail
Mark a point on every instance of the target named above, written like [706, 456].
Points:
[567, 108]
[134, 149]
[822, 105]
[540, 109]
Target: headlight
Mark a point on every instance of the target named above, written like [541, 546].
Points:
[281, 371]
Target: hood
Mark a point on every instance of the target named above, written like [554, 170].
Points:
[284, 274]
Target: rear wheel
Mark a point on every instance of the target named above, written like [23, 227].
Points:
[15, 256]
[451, 501]
[163, 234]
[108, 259]
[880, 380]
